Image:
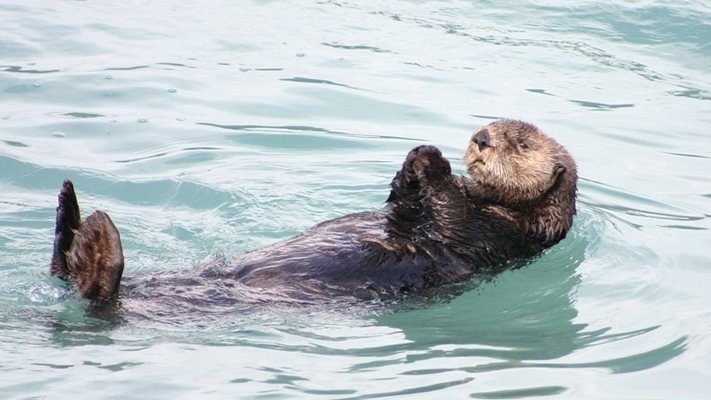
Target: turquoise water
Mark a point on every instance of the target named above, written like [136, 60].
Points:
[216, 129]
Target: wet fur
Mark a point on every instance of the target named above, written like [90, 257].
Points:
[89, 252]
[435, 228]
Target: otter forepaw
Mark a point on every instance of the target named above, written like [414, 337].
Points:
[425, 162]
[424, 167]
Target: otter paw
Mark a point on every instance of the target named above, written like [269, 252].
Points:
[427, 162]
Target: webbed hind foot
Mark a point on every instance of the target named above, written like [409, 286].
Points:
[88, 252]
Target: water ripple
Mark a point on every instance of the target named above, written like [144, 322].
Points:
[357, 47]
[260, 120]
[587, 50]
[317, 81]
[633, 363]
[300, 128]
[623, 203]
[24, 70]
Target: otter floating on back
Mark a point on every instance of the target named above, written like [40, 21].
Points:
[435, 228]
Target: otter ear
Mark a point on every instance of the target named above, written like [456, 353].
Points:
[558, 170]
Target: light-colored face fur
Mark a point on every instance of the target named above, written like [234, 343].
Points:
[513, 162]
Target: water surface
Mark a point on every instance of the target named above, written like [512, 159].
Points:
[216, 129]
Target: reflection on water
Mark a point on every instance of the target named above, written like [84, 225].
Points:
[524, 316]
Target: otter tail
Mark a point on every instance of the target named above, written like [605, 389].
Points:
[88, 253]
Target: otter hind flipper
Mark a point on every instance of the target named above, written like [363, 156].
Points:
[88, 252]
[95, 259]
[68, 221]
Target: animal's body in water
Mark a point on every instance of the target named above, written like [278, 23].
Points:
[435, 228]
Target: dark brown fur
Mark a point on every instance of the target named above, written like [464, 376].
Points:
[435, 228]
[89, 252]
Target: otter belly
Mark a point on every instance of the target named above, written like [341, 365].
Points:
[352, 255]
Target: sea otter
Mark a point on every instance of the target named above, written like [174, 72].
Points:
[435, 228]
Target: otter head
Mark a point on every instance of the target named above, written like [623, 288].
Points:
[516, 166]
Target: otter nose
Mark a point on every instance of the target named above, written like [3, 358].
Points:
[481, 139]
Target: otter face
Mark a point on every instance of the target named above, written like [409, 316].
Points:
[513, 162]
